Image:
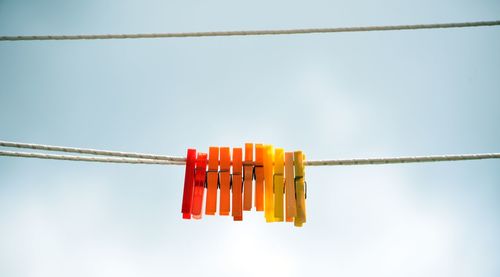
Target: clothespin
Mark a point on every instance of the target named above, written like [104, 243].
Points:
[259, 177]
[278, 184]
[237, 184]
[199, 185]
[187, 196]
[225, 181]
[248, 177]
[212, 177]
[305, 188]
[300, 188]
[291, 207]
[268, 185]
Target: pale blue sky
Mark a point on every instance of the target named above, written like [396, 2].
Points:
[331, 95]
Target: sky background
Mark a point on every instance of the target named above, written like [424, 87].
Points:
[346, 95]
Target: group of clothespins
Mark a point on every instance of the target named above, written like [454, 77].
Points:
[278, 175]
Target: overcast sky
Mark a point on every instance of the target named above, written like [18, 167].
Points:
[343, 95]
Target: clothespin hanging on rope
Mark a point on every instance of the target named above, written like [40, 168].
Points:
[248, 177]
[300, 188]
[212, 179]
[280, 186]
[291, 207]
[278, 183]
[187, 196]
[225, 181]
[268, 185]
[259, 177]
[199, 185]
[237, 185]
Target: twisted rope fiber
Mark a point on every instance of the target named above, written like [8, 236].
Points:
[138, 158]
[256, 32]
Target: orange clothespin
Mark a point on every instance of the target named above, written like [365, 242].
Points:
[268, 185]
[291, 207]
[278, 183]
[248, 177]
[199, 185]
[225, 181]
[187, 196]
[300, 188]
[259, 177]
[237, 183]
[212, 177]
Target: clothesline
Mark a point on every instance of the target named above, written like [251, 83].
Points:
[140, 158]
[255, 32]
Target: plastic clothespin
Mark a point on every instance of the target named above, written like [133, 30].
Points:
[279, 165]
[259, 177]
[268, 185]
[199, 185]
[212, 177]
[187, 196]
[300, 188]
[225, 181]
[305, 187]
[248, 177]
[237, 183]
[291, 207]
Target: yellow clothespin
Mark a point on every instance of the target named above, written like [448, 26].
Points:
[278, 184]
[305, 187]
[268, 184]
[291, 207]
[300, 188]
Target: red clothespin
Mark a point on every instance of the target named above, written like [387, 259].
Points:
[199, 185]
[188, 184]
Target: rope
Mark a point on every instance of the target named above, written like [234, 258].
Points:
[256, 33]
[91, 151]
[402, 160]
[86, 158]
[138, 158]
